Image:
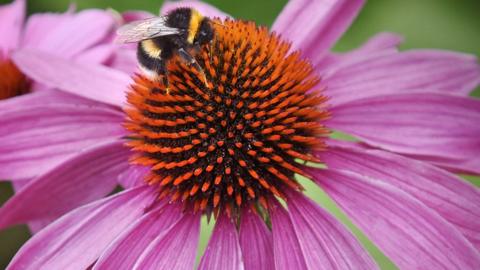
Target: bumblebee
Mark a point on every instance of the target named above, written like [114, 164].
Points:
[161, 38]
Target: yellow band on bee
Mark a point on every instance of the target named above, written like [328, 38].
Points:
[195, 20]
[151, 48]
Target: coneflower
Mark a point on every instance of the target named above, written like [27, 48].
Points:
[232, 150]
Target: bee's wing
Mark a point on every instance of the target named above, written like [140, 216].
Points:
[144, 29]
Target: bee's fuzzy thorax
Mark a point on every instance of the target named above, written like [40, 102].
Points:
[238, 141]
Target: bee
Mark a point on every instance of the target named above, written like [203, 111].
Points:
[161, 38]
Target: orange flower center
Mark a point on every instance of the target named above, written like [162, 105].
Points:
[241, 139]
[12, 81]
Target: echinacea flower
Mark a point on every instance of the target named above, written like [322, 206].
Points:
[231, 149]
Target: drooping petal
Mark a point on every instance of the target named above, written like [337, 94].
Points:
[398, 73]
[124, 59]
[80, 180]
[135, 15]
[11, 23]
[175, 248]
[39, 25]
[44, 97]
[204, 8]
[325, 242]
[315, 26]
[454, 199]
[135, 175]
[77, 239]
[223, 250]
[86, 80]
[287, 252]
[410, 234]
[99, 54]
[35, 139]
[33, 226]
[469, 166]
[126, 249]
[425, 124]
[256, 242]
[76, 34]
[380, 43]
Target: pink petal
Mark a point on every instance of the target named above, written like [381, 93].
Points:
[45, 97]
[77, 239]
[256, 242]
[287, 252]
[135, 15]
[135, 175]
[86, 80]
[397, 73]
[315, 26]
[454, 199]
[409, 233]
[175, 248]
[223, 250]
[126, 249]
[80, 180]
[468, 166]
[34, 226]
[204, 8]
[380, 43]
[424, 124]
[125, 60]
[39, 25]
[325, 242]
[35, 139]
[90, 27]
[97, 55]
[11, 22]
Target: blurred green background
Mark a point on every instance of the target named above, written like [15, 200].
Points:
[445, 24]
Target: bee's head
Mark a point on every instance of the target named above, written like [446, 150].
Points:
[205, 33]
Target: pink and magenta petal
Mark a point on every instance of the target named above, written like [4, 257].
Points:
[135, 175]
[175, 248]
[86, 80]
[287, 252]
[315, 26]
[126, 249]
[454, 199]
[90, 28]
[410, 234]
[135, 15]
[223, 250]
[39, 25]
[402, 73]
[76, 240]
[35, 139]
[89, 176]
[11, 23]
[379, 44]
[430, 125]
[325, 242]
[256, 242]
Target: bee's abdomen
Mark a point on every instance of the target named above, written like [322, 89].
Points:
[146, 60]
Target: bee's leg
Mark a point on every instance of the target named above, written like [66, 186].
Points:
[192, 61]
[162, 70]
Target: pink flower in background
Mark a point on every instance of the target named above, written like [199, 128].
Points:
[84, 37]
[50, 32]
[410, 111]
